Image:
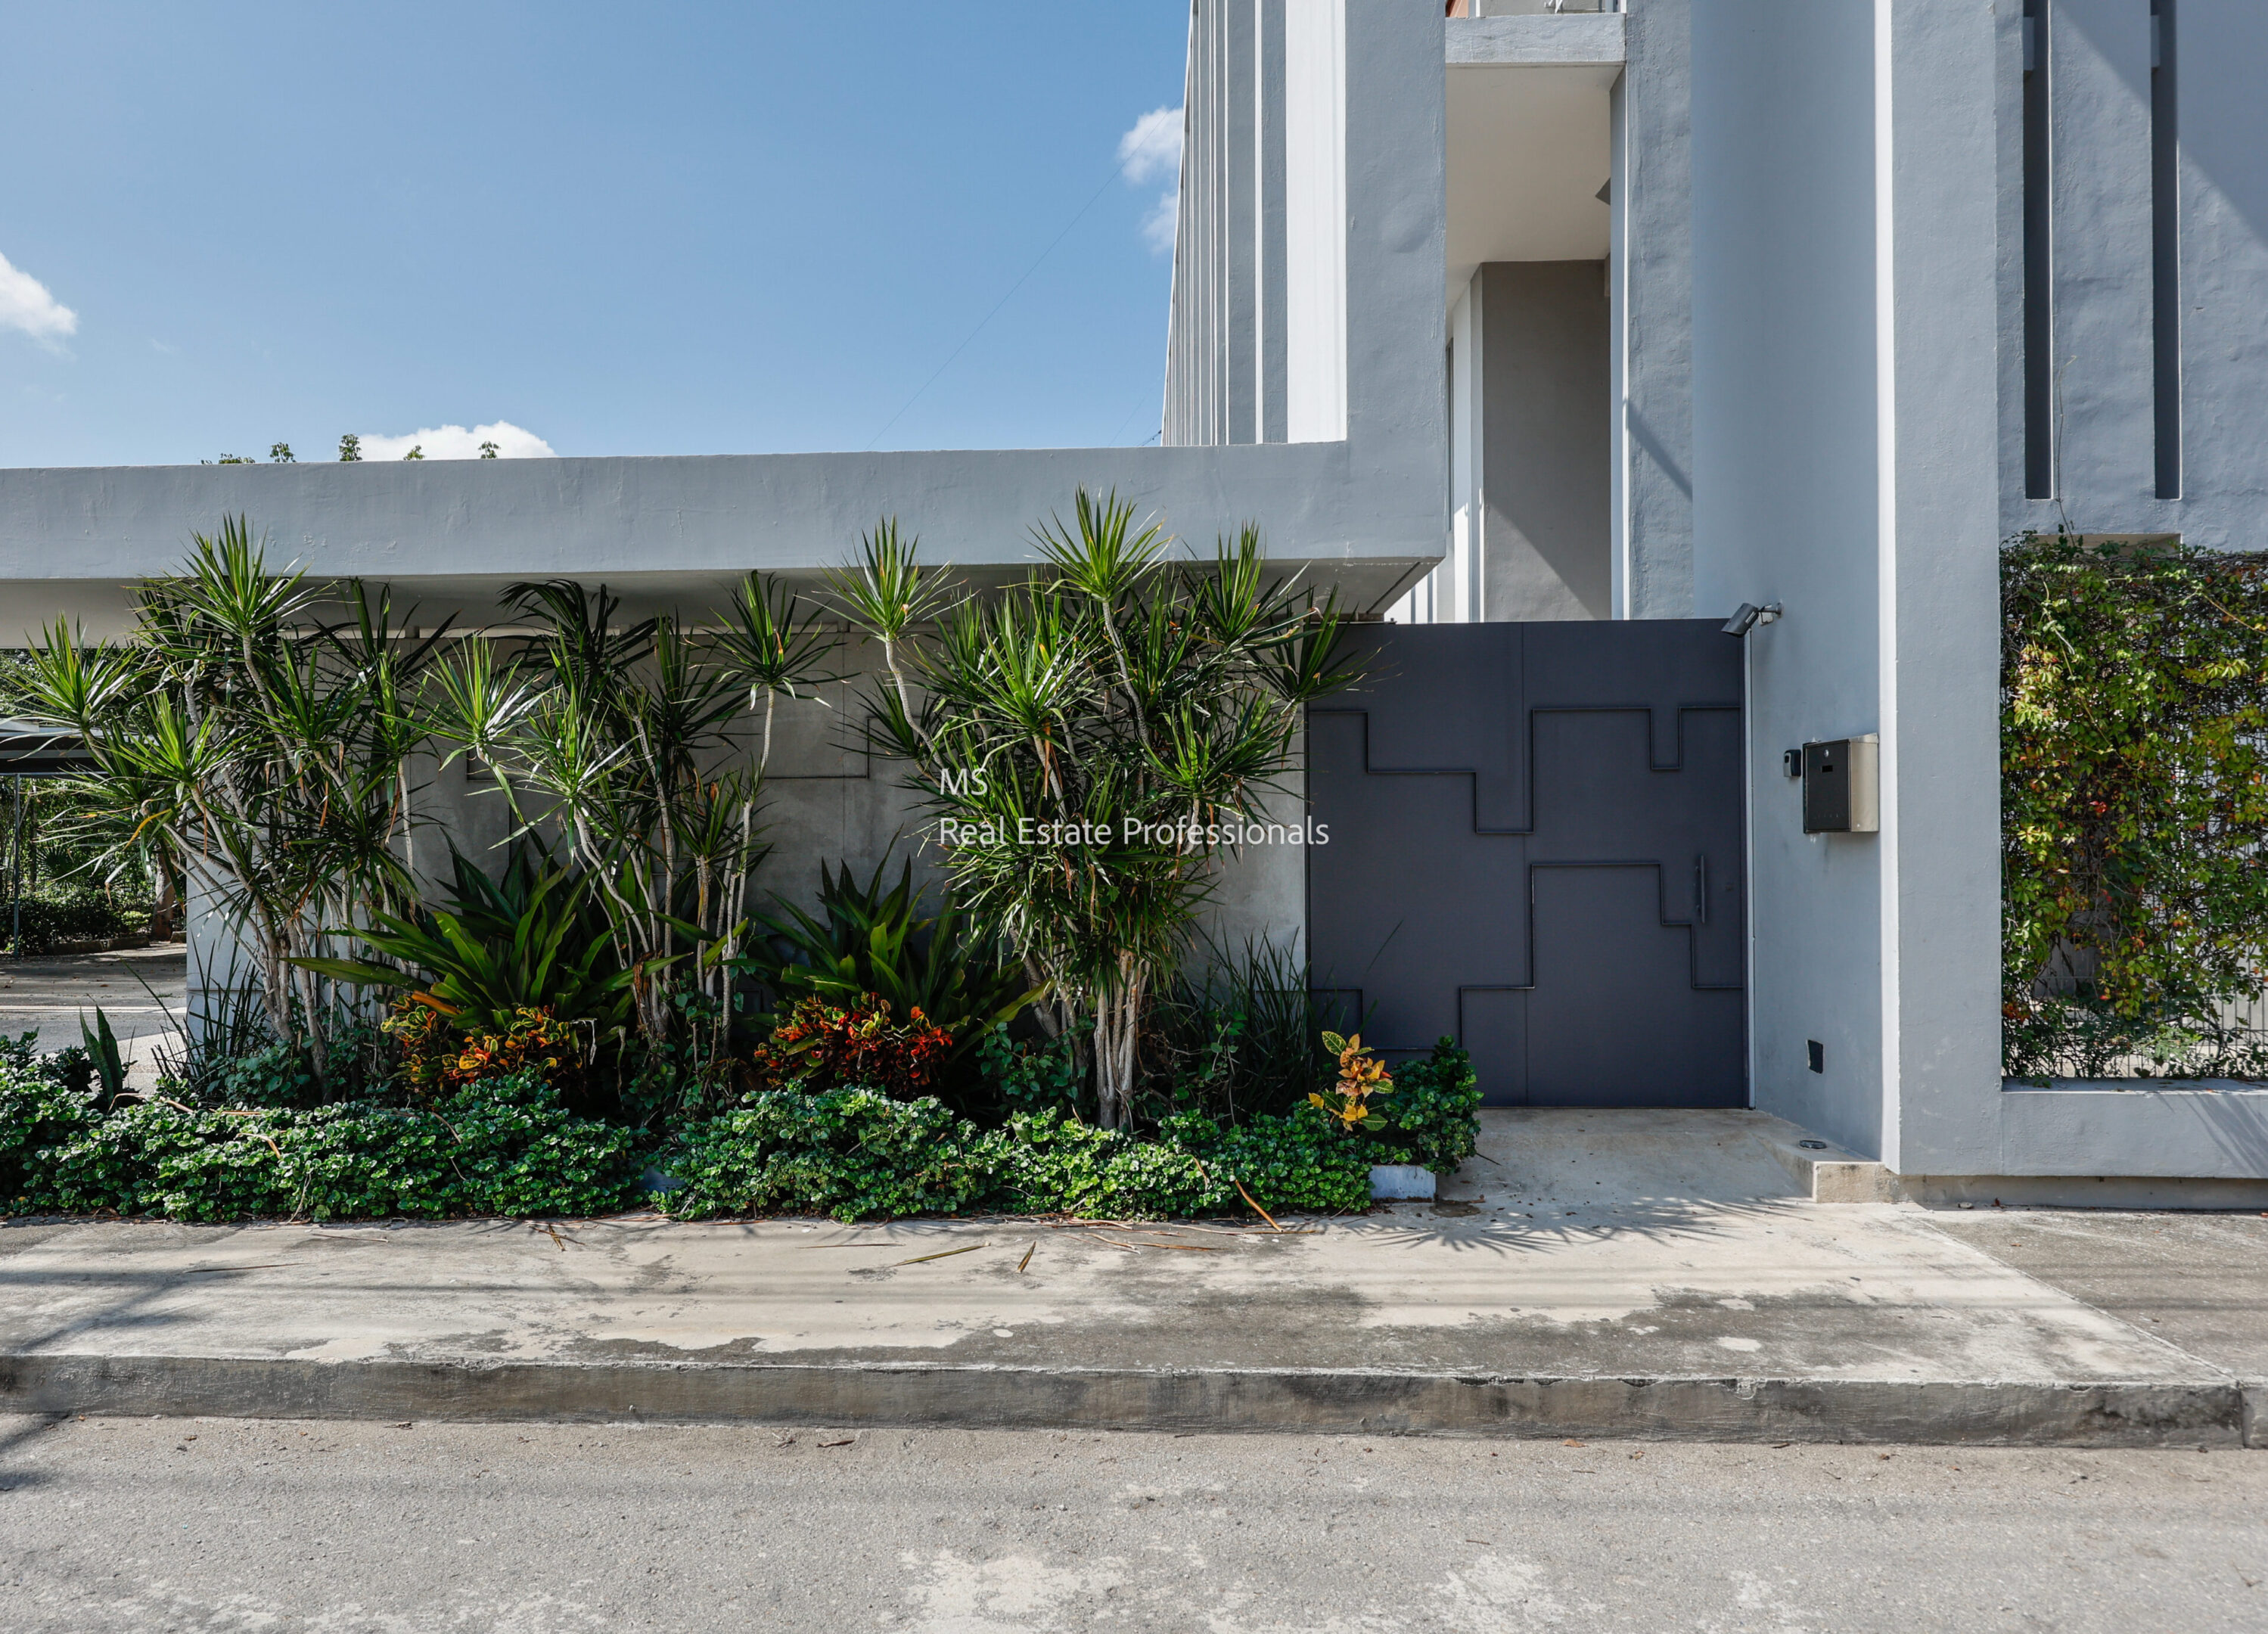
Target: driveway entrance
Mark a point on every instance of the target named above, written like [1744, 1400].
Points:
[1537, 848]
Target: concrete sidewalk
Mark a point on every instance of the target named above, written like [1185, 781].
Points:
[1591, 1274]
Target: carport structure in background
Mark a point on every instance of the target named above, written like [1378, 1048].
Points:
[27, 752]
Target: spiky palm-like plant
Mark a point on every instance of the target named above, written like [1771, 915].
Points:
[1093, 742]
[621, 731]
[261, 745]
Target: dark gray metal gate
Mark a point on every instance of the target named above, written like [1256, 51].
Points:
[1535, 847]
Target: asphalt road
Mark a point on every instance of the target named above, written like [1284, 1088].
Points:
[189, 1524]
[142, 990]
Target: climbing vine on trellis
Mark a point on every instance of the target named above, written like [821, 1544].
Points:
[2134, 806]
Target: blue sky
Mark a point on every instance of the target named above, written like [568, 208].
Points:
[624, 229]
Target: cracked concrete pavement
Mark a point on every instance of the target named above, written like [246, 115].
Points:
[1624, 1258]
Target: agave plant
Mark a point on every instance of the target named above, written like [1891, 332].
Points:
[534, 937]
[867, 939]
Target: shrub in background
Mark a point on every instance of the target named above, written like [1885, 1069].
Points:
[854, 1153]
[68, 914]
[823, 1044]
[504, 1146]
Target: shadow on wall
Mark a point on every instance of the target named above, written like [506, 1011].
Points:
[2238, 1123]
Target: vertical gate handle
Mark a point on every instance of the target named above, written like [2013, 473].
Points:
[1701, 884]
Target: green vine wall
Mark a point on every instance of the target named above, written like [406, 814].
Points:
[2134, 803]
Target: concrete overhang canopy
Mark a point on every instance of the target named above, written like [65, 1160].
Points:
[1529, 138]
[1565, 40]
[670, 532]
[27, 750]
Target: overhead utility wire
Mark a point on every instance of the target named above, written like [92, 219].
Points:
[1117, 169]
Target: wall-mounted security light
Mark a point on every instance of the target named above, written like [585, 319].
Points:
[1750, 616]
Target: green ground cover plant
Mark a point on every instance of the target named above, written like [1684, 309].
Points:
[508, 1146]
[504, 1146]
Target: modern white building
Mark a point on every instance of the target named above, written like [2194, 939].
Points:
[1568, 312]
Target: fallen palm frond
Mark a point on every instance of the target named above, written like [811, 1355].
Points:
[1185, 1247]
[1257, 1208]
[944, 1255]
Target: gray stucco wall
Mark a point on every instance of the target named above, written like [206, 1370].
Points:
[1545, 458]
[1786, 503]
[1937, 198]
[1651, 268]
[2100, 69]
[1845, 404]
[825, 800]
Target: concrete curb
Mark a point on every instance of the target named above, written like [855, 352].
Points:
[1980, 1412]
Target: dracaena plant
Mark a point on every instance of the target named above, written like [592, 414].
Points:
[623, 732]
[1093, 742]
[244, 728]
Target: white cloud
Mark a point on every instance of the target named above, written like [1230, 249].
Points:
[1157, 227]
[454, 442]
[1152, 148]
[26, 305]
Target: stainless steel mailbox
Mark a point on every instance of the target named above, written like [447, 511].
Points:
[1842, 785]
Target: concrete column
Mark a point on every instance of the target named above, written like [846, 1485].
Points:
[1845, 407]
[1936, 208]
[1316, 220]
[1651, 268]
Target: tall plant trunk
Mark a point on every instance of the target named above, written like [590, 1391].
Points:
[1117, 1016]
[275, 984]
[162, 917]
[318, 1047]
